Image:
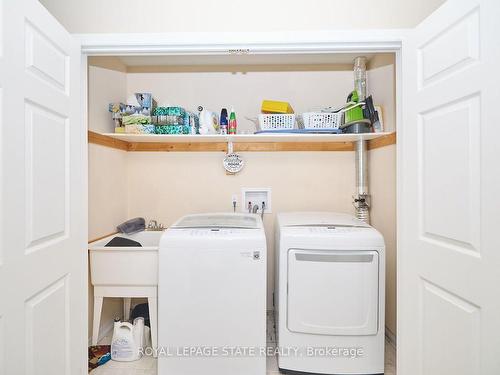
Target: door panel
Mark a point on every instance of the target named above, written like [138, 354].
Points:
[43, 259]
[448, 256]
[47, 330]
[47, 176]
[453, 48]
[451, 219]
[448, 318]
[333, 292]
[2, 206]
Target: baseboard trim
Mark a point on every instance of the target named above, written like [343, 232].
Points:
[391, 337]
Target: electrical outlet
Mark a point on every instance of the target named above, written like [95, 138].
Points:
[251, 197]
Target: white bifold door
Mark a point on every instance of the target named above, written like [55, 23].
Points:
[43, 289]
[449, 155]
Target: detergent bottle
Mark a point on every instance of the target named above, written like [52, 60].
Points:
[127, 340]
[232, 122]
[209, 123]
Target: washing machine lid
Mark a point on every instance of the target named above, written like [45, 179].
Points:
[219, 220]
[318, 219]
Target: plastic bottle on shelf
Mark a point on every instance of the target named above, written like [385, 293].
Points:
[223, 121]
[232, 122]
[360, 77]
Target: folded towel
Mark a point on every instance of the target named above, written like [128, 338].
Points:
[172, 129]
[136, 119]
[169, 111]
[140, 129]
[132, 225]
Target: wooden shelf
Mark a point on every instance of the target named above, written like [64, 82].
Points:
[240, 138]
[241, 142]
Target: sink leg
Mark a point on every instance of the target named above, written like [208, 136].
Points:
[97, 319]
[153, 319]
[126, 308]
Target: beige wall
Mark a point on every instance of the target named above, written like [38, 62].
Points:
[306, 91]
[97, 16]
[105, 86]
[107, 175]
[165, 186]
[107, 167]
[107, 208]
[382, 180]
[107, 190]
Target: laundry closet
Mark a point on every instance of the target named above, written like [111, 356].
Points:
[69, 179]
[164, 177]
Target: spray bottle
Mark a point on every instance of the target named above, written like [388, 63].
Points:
[232, 122]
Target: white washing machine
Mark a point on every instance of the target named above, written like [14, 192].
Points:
[329, 294]
[212, 296]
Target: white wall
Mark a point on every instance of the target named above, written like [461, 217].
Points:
[381, 84]
[97, 16]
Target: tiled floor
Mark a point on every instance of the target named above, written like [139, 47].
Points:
[147, 365]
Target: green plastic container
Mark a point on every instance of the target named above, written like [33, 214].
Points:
[356, 113]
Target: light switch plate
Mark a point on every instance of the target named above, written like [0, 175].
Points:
[256, 196]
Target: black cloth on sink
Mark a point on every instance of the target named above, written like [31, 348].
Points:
[123, 242]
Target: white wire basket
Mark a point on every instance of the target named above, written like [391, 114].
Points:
[321, 120]
[276, 121]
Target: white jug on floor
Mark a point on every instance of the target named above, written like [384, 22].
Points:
[127, 342]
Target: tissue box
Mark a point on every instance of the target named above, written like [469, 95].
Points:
[146, 106]
[146, 101]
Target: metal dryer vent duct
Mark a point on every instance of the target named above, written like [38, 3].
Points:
[362, 198]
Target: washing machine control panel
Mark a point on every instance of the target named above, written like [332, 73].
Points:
[216, 232]
[333, 229]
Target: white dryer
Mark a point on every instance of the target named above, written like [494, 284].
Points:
[329, 294]
[212, 296]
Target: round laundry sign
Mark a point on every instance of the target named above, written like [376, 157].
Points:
[233, 163]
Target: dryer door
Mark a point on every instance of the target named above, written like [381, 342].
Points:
[333, 292]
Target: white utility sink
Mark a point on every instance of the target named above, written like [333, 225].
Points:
[137, 266]
[125, 272]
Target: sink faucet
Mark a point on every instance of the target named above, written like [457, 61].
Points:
[153, 225]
